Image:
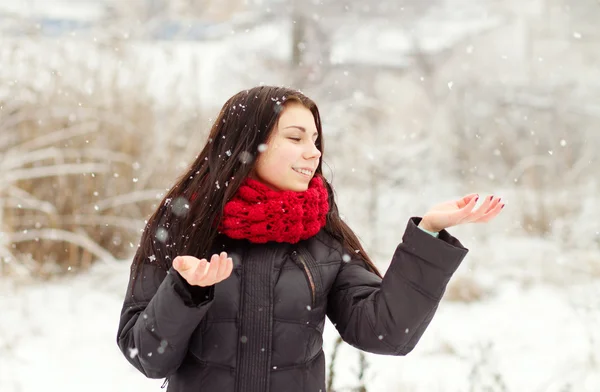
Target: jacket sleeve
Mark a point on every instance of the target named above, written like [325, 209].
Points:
[389, 315]
[160, 313]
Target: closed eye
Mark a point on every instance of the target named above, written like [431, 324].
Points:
[295, 138]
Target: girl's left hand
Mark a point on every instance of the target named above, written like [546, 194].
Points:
[456, 212]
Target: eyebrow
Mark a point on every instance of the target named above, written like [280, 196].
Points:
[300, 128]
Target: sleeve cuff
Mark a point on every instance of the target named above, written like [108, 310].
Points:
[446, 254]
[433, 233]
[191, 295]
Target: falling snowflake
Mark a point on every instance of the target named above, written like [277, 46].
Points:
[245, 157]
[162, 347]
[180, 206]
[162, 234]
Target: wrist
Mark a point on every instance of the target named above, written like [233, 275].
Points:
[426, 225]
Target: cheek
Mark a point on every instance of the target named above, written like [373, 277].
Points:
[270, 159]
[284, 154]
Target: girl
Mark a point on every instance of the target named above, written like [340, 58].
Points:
[247, 254]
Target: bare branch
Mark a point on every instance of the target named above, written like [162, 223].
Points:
[80, 240]
[129, 198]
[53, 170]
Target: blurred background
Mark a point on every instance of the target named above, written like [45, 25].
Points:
[104, 102]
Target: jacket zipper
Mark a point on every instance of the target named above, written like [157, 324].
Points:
[309, 276]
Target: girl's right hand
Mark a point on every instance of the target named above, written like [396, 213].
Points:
[202, 273]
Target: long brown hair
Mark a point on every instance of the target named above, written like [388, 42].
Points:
[186, 221]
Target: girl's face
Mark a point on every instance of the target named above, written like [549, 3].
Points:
[291, 157]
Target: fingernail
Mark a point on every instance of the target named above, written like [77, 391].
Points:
[491, 197]
[502, 206]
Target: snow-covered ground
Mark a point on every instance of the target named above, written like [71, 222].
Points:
[61, 335]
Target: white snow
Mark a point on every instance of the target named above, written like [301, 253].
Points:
[62, 335]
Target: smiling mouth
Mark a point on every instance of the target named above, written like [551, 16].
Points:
[306, 173]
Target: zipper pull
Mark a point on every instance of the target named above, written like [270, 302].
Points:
[295, 257]
[165, 383]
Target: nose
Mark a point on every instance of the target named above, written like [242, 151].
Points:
[312, 152]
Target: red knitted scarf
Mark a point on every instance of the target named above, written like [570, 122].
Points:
[260, 214]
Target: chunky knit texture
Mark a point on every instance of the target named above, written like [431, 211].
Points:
[260, 214]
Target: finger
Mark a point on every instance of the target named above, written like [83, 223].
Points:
[177, 263]
[493, 204]
[211, 274]
[462, 203]
[464, 213]
[229, 267]
[201, 268]
[473, 216]
[223, 266]
[490, 203]
[180, 264]
[223, 256]
[491, 214]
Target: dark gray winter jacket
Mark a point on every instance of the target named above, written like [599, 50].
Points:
[261, 329]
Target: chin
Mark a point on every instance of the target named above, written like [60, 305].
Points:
[290, 185]
[298, 187]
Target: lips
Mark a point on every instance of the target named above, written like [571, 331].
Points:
[303, 171]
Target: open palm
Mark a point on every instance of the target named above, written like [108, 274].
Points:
[201, 272]
[456, 212]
